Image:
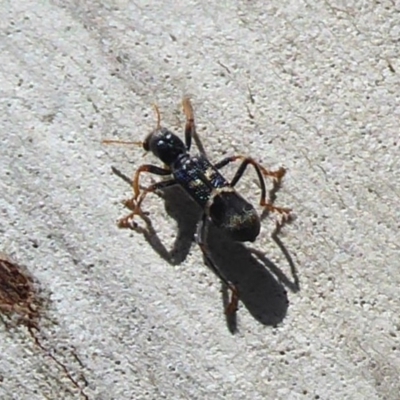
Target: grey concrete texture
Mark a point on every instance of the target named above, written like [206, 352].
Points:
[311, 86]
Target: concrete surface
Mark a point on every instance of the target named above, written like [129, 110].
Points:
[312, 86]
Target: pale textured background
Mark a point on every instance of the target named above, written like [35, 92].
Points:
[326, 88]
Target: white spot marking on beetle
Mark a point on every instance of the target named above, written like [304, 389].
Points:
[196, 182]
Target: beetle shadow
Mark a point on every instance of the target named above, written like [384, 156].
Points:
[261, 284]
[186, 213]
[180, 207]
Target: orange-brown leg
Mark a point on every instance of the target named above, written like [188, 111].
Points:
[261, 171]
[135, 204]
[190, 127]
[146, 168]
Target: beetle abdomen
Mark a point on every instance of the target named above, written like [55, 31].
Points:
[234, 215]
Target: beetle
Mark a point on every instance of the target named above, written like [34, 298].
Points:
[204, 183]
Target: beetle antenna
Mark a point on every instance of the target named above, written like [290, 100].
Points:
[107, 141]
[158, 116]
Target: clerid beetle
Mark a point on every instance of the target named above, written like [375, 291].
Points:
[202, 180]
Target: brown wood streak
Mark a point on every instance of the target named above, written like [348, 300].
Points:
[19, 296]
[17, 293]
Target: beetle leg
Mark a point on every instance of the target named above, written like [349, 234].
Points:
[277, 175]
[146, 168]
[200, 239]
[190, 126]
[135, 204]
[260, 170]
